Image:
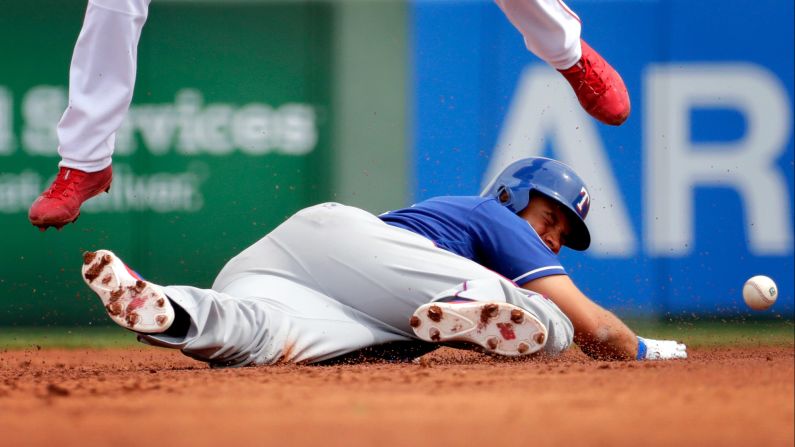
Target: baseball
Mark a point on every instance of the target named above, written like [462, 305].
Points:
[760, 292]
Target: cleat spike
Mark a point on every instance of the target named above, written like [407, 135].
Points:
[88, 257]
[492, 342]
[113, 309]
[91, 273]
[132, 319]
[517, 316]
[116, 294]
[434, 334]
[488, 312]
[138, 287]
[414, 321]
[435, 313]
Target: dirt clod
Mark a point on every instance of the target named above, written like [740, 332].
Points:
[56, 390]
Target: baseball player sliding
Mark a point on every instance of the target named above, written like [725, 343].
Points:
[333, 279]
[102, 76]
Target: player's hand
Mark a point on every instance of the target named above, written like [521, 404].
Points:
[649, 349]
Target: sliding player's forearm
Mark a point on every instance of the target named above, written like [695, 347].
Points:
[607, 339]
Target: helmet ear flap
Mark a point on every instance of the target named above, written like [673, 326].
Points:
[504, 195]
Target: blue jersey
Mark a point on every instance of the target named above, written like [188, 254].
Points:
[480, 229]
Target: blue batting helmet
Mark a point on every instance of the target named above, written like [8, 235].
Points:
[559, 182]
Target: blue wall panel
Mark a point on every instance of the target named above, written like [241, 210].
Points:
[467, 71]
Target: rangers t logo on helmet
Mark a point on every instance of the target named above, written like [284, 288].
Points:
[584, 203]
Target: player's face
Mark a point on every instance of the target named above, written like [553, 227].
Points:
[548, 219]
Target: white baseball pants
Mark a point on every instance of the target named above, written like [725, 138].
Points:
[550, 29]
[101, 80]
[331, 280]
[102, 73]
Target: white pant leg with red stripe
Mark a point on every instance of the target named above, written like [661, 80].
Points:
[101, 81]
[550, 29]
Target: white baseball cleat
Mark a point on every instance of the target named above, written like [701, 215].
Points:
[130, 301]
[497, 328]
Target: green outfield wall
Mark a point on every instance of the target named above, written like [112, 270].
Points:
[244, 112]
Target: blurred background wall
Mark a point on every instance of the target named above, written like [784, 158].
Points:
[690, 197]
[246, 111]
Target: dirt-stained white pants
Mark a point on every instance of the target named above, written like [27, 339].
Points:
[331, 280]
[102, 73]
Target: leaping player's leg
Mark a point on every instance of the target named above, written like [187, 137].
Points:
[552, 32]
[101, 81]
[258, 319]
[550, 29]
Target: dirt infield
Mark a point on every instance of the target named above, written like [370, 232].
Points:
[148, 396]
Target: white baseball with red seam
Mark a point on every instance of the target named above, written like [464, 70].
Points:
[760, 292]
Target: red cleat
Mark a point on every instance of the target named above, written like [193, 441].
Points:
[60, 203]
[599, 88]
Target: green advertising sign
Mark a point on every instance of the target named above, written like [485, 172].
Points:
[228, 134]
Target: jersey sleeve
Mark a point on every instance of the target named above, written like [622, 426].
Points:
[507, 244]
